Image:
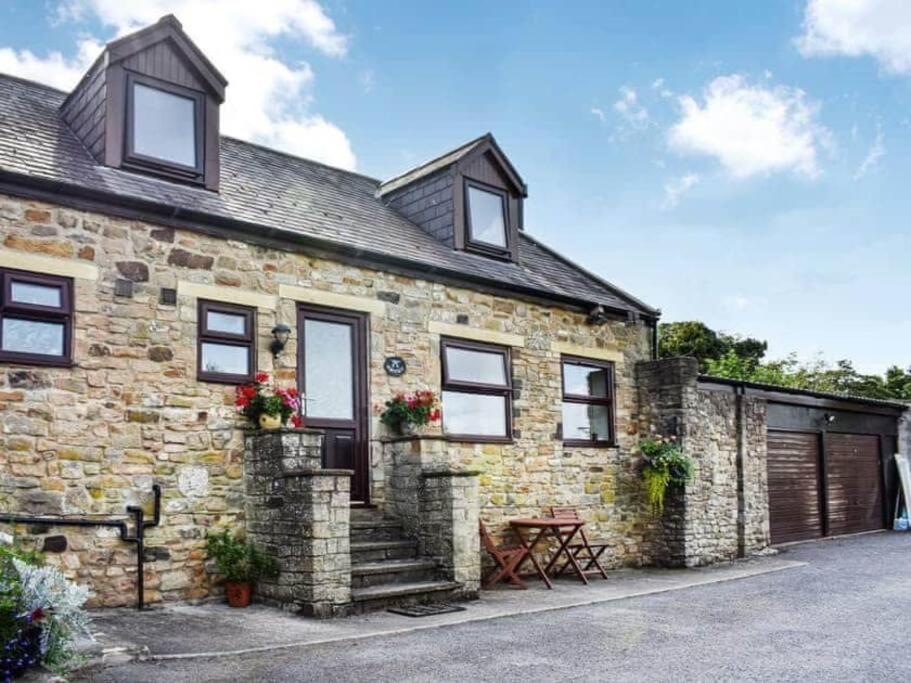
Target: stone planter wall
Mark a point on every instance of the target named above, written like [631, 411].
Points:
[722, 513]
[438, 504]
[299, 514]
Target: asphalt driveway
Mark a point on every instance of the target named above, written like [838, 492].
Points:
[845, 616]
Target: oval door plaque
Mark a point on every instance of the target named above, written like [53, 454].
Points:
[395, 366]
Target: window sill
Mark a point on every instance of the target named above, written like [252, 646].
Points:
[28, 359]
[225, 379]
[468, 438]
[590, 444]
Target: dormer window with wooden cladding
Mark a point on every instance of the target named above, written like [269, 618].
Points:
[150, 105]
[470, 199]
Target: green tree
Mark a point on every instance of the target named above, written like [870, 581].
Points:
[742, 358]
[695, 339]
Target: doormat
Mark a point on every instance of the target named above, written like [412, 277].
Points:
[426, 610]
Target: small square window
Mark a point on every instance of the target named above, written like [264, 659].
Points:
[487, 217]
[164, 127]
[227, 348]
[35, 318]
[588, 402]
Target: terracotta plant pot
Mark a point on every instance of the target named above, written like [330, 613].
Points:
[270, 421]
[238, 593]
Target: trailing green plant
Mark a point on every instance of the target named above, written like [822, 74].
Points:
[664, 465]
[238, 561]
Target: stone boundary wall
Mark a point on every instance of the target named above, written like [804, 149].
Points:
[722, 513]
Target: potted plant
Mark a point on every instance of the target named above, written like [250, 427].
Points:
[664, 465]
[266, 406]
[404, 412]
[240, 564]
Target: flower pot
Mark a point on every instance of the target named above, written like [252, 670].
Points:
[238, 593]
[270, 421]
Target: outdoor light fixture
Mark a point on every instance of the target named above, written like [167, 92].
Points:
[597, 316]
[280, 335]
[829, 418]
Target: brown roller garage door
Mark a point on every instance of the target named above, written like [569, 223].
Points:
[854, 481]
[794, 498]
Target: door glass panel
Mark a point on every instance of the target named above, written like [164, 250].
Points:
[328, 370]
[32, 336]
[479, 367]
[475, 414]
[230, 323]
[584, 380]
[37, 295]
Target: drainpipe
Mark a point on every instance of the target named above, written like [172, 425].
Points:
[140, 524]
[654, 324]
[740, 410]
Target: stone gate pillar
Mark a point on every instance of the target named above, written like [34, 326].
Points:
[299, 514]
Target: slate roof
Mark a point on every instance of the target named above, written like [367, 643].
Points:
[282, 197]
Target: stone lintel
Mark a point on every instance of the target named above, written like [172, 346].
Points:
[476, 334]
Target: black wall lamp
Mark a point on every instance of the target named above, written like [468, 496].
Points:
[280, 335]
[828, 418]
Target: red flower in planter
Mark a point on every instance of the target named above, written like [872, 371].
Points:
[261, 377]
[297, 421]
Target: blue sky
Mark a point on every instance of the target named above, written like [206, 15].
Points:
[744, 164]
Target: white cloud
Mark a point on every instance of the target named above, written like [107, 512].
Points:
[268, 99]
[676, 188]
[598, 113]
[876, 152]
[751, 129]
[854, 28]
[657, 83]
[630, 109]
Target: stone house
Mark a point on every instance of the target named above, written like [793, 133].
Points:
[147, 265]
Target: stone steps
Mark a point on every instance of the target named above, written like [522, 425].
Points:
[408, 571]
[376, 530]
[387, 549]
[386, 570]
[398, 595]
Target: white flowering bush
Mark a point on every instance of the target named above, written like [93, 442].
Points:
[47, 614]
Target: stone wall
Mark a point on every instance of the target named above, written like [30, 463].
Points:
[299, 514]
[438, 505]
[904, 434]
[722, 513]
[92, 438]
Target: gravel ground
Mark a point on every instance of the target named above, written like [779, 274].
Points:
[846, 616]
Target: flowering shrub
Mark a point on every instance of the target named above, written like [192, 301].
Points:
[41, 614]
[412, 410]
[665, 465]
[258, 398]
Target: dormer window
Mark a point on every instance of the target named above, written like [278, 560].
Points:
[164, 127]
[486, 212]
[150, 104]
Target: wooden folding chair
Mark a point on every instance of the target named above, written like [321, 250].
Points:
[508, 559]
[585, 551]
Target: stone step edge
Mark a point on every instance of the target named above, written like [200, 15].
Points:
[402, 589]
[378, 524]
[390, 566]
